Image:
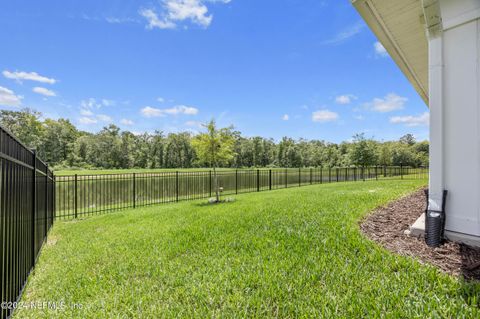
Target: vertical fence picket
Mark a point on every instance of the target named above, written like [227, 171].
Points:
[46, 202]
[270, 179]
[176, 186]
[34, 201]
[134, 190]
[75, 198]
[258, 180]
[236, 181]
[210, 183]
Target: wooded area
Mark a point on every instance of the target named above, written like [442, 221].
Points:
[62, 145]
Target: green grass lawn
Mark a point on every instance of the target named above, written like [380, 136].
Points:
[287, 253]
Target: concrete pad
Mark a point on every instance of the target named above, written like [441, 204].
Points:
[418, 227]
[418, 230]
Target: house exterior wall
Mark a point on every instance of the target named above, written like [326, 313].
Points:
[454, 81]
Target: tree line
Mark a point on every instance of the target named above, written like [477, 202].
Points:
[62, 145]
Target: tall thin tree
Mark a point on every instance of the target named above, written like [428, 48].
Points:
[214, 147]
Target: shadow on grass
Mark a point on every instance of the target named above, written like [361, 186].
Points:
[215, 203]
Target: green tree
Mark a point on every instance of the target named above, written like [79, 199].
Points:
[215, 147]
[362, 151]
[402, 155]
[384, 154]
[25, 125]
[158, 150]
[57, 141]
[408, 139]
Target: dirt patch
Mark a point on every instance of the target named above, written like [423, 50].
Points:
[387, 226]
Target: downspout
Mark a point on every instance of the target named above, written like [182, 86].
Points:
[436, 196]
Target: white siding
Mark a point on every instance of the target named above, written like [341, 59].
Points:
[461, 127]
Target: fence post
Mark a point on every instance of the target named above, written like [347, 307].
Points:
[336, 170]
[270, 179]
[286, 177]
[363, 173]
[134, 191]
[376, 172]
[311, 173]
[34, 203]
[401, 170]
[384, 171]
[258, 180]
[210, 183]
[236, 181]
[46, 200]
[54, 196]
[329, 174]
[346, 174]
[321, 174]
[176, 186]
[76, 197]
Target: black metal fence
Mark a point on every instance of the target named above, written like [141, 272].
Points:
[27, 207]
[83, 195]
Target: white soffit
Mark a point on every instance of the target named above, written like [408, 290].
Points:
[399, 26]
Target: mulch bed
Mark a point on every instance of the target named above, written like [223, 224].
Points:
[387, 226]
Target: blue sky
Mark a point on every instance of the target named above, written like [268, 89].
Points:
[272, 68]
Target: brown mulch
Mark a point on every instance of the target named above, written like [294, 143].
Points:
[387, 226]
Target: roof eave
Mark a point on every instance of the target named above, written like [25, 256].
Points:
[377, 25]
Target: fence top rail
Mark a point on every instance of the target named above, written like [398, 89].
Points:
[6, 131]
[219, 172]
[13, 137]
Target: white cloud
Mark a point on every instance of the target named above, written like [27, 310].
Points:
[28, 76]
[90, 103]
[149, 111]
[161, 99]
[87, 120]
[44, 91]
[410, 120]
[179, 109]
[86, 112]
[175, 11]
[154, 21]
[104, 118]
[390, 102]
[380, 50]
[9, 98]
[324, 116]
[285, 117]
[107, 102]
[195, 10]
[345, 99]
[346, 34]
[359, 117]
[126, 122]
